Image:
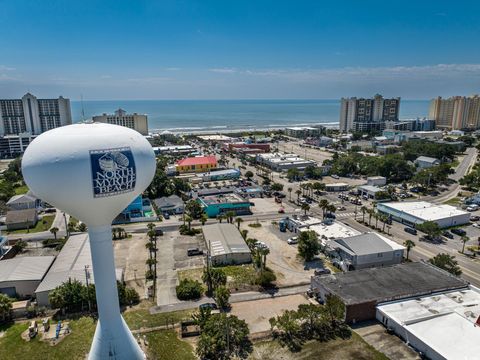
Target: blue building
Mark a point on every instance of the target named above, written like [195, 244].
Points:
[221, 204]
[140, 209]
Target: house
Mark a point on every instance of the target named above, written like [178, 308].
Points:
[172, 204]
[425, 162]
[365, 251]
[140, 209]
[24, 201]
[226, 244]
[21, 219]
[196, 164]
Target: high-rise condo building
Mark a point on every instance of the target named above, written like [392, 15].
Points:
[457, 112]
[33, 116]
[120, 117]
[367, 115]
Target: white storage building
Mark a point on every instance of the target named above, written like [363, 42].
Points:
[417, 212]
[226, 244]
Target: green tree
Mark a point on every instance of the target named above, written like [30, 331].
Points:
[82, 227]
[293, 174]
[276, 187]
[286, 328]
[5, 307]
[305, 208]
[308, 245]
[189, 290]
[214, 277]
[446, 262]
[249, 175]
[464, 240]
[222, 296]
[54, 231]
[201, 317]
[224, 337]
[323, 204]
[20, 245]
[430, 228]
[290, 193]
[409, 244]
[230, 215]
[194, 209]
[335, 308]
[298, 192]
[244, 233]
[203, 219]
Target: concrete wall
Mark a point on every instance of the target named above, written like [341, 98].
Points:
[22, 288]
[373, 260]
[231, 259]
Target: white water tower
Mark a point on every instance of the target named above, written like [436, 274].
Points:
[93, 171]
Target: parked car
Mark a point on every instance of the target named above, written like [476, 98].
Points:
[322, 271]
[194, 251]
[447, 235]
[211, 306]
[410, 230]
[166, 216]
[281, 211]
[335, 176]
[474, 218]
[473, 207]
[458, 231]
[292, 240]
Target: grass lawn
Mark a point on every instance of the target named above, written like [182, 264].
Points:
[453, 201]
[21, 190]
[353, 348]
[166, 345]
[43, 224]
[194, 274]
[240, 276]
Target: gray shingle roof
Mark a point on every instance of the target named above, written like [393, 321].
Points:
[364, 244]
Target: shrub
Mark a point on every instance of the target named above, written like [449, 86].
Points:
[189, 290]
[265, 278]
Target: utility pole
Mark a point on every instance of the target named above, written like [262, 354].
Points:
[87, 276]
[66, 225]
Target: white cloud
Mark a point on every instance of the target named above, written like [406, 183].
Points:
[6, 68]
[223, 70]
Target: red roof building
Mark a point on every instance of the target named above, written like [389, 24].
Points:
[196, 164]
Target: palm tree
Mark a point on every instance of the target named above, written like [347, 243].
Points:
[151, 226]
[409, 244]
[331, 208]
[323, 204]
[221, 217]
[305, 208]
[150, 246]
[189, 220]
[364, 210]
[290, 193]
[150, 263]
[370, 214]
[464, 239]
[384, 219]
[54, 231]
[377, 216]
[244, 233]
[263, 252]
[298, 192]
[230, 215]
[203, 219]
[239, 220]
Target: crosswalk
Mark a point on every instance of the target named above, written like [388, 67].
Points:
[345, 215]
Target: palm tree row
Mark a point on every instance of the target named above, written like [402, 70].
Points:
[151, 262]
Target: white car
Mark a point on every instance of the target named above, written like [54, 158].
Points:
[292, 240]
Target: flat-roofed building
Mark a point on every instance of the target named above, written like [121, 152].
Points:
[174, 150]
[336, 187]
[283, 162]
[303, 132]
[362, 290]
[330, 230]
[73, 262]
[369, 191]
[221, 204]
[120, 117]
[196, 164]
[440, 326]
[365, 251]
[226, 244]
[21, 275]
[417, 212]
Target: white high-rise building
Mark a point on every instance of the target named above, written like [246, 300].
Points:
[133, 121]
[33, 116]
[366, 115]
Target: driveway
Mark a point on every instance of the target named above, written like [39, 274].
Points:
[392, 346]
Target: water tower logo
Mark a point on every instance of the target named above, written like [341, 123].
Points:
[113, 171]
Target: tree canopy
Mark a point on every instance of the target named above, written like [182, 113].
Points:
[446, 262]
[308, 245]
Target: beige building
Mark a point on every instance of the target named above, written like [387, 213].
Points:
[457, 112]
[120, 117]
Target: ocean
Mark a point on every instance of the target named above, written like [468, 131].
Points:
[188, 116]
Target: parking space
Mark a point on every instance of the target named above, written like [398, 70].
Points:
[181, 245]
[266, 205]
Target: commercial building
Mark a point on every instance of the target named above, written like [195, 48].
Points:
[171, 205]
[237, 147]
[218, 175]
[336, 187]
[368, 191]
[24, 201]
[133, 121]
[196, 164]
[283, 162]
[33, 116]
[411, 125]
[20, 276]
[366, 115]
[330, 230]
[174, 150]
[425, 162]
[14, 145]
[365, 251]
[376, 180]
[298, 222]
[440, 326]
[304, 131]
[226, 245]
[457, 112]
[362, 290]
[213, 191]
[21, 219]
[73, 262]
[221, 204]
[417, 212]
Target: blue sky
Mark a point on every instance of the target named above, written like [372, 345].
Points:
[115, 49]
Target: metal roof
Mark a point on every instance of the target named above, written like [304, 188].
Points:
[366, 244]
[224, 239]
[25, 268]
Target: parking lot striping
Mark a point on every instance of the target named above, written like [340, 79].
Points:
[344, 215]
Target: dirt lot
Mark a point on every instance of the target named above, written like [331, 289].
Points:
[282, 259]
[392, 346]
[257, 320]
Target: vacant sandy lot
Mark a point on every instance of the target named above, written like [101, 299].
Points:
[257, 313]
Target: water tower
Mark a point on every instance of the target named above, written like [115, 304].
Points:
[93, 171]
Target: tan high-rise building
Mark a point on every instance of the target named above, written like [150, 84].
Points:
[133, 121]
[457, 112]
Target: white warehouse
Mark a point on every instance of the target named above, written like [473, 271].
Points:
[417, 212]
